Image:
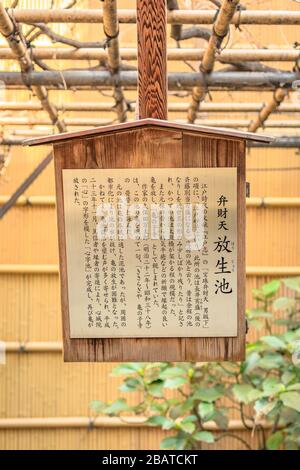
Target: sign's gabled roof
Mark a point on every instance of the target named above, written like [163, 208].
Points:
[149, 122]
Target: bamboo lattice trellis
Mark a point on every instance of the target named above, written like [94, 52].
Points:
[241, 68]
[238, 69]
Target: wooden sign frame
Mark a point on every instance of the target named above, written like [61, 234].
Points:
[152, 143]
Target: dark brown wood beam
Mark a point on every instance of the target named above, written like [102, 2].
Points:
[152, 59]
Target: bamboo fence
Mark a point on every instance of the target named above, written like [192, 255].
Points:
[44, 403]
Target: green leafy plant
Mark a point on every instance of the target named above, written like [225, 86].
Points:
[264, 389]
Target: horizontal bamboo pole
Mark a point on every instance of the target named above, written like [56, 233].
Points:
[53, 269]
[275, 271]
[94, 122]
[234, 123]
[32, 346]
[31, 121]
[176, 80]
[237, 107]
[31, 200]
[12, 140]
[260, 17]
[105, 422]
[287, 141]
[25, 132]
[273, 202]
[261, 202]
[90, 106]
[28, 269]
[128, 54]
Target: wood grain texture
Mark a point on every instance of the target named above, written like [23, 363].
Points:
[152, 59]
[151, 148]
[209, 153]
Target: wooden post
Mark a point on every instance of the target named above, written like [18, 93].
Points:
[152, 59]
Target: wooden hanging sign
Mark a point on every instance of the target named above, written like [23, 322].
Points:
[151, 227]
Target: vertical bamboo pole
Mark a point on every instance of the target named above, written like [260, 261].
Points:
[152, 59]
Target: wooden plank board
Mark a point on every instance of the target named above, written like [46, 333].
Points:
[151, 148]
[209, 153]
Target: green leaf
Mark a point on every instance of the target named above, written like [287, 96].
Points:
[181, 408]
[271, 361]
[189, 419]
[282, 322]
[255, 323]
[294, 387]
[176, 412]
[229, 368]
[257, 294]
[242, 392]
[274, 342]
[275, 440]
[269, 384]
[159, 366]
[270, 288]
[293, 336]
[220, 419]
[155, 388]
[257, 346]
[187, 426]
[159, 407]
[116, 407]
[177, 443]
[272, 386]
[284, 303]
[206, 411]
[264, 406]
[175, 382]
[251, 362]
[128, 368]
[255, 394]
[292, 283]
[162, 421]
[171, 372]
[204, 436]
[258, 313]
[208, 394]
[97, 405]
[287, 377]
[291, 400]
[130, 385]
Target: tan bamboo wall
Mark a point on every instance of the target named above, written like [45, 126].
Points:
[39, 384]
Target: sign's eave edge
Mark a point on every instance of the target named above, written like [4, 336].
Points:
[222, 132]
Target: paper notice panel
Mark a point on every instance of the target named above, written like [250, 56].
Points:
[151, 252]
